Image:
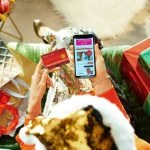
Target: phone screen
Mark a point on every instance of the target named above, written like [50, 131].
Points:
[84, 56]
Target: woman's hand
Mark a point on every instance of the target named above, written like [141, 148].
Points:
[40, 80]
[100, 64]
[101, 82]
[101, 71]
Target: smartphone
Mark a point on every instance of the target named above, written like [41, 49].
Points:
[84, 56]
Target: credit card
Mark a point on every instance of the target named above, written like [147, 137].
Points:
[55, 58]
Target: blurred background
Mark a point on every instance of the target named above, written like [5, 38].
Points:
[25, 11]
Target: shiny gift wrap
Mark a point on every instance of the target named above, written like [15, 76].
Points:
[133, 72]
[8, 65]
[13, 93]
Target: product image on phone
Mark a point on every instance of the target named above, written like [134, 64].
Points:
[84, 56]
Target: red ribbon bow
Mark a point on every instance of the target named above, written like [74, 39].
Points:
[3, 106]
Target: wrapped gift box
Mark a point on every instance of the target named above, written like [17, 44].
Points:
[137, 78]
[144, 60]
[9, 68]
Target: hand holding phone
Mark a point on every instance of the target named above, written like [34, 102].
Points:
[84, 56]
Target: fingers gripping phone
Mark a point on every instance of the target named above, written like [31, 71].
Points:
[84, 56]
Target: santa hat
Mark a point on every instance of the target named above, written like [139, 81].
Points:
[120, 128]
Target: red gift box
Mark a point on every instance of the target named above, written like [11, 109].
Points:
[132, 71]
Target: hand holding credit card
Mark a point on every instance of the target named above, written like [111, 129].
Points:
[55, 58]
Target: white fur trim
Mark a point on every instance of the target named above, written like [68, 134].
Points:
[121, 130]
[30, 139]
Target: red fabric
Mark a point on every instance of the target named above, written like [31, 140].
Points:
[137, 78]
[21, 143]
[24, 146]
[112, 96]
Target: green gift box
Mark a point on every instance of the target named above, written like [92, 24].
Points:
[144, 60]
[146, 105]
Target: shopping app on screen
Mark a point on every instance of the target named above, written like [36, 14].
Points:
[84, 52]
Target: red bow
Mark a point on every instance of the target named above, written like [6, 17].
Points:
[4, 98]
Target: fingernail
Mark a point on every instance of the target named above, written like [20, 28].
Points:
[47, 71]
[96, 45]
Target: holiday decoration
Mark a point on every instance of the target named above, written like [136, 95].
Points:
[134, 73]
[81, 122]
[4, 6]
[4, 98]
[144, 59]
[9, 68]
[13, 93]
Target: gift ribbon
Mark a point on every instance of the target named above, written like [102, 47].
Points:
[14, 121]
[4, 97]
[13, 110]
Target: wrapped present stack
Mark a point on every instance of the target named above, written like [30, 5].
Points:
[135, 68]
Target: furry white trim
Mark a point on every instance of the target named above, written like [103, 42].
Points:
[30, 139]
[121, 130]
[106, 17]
